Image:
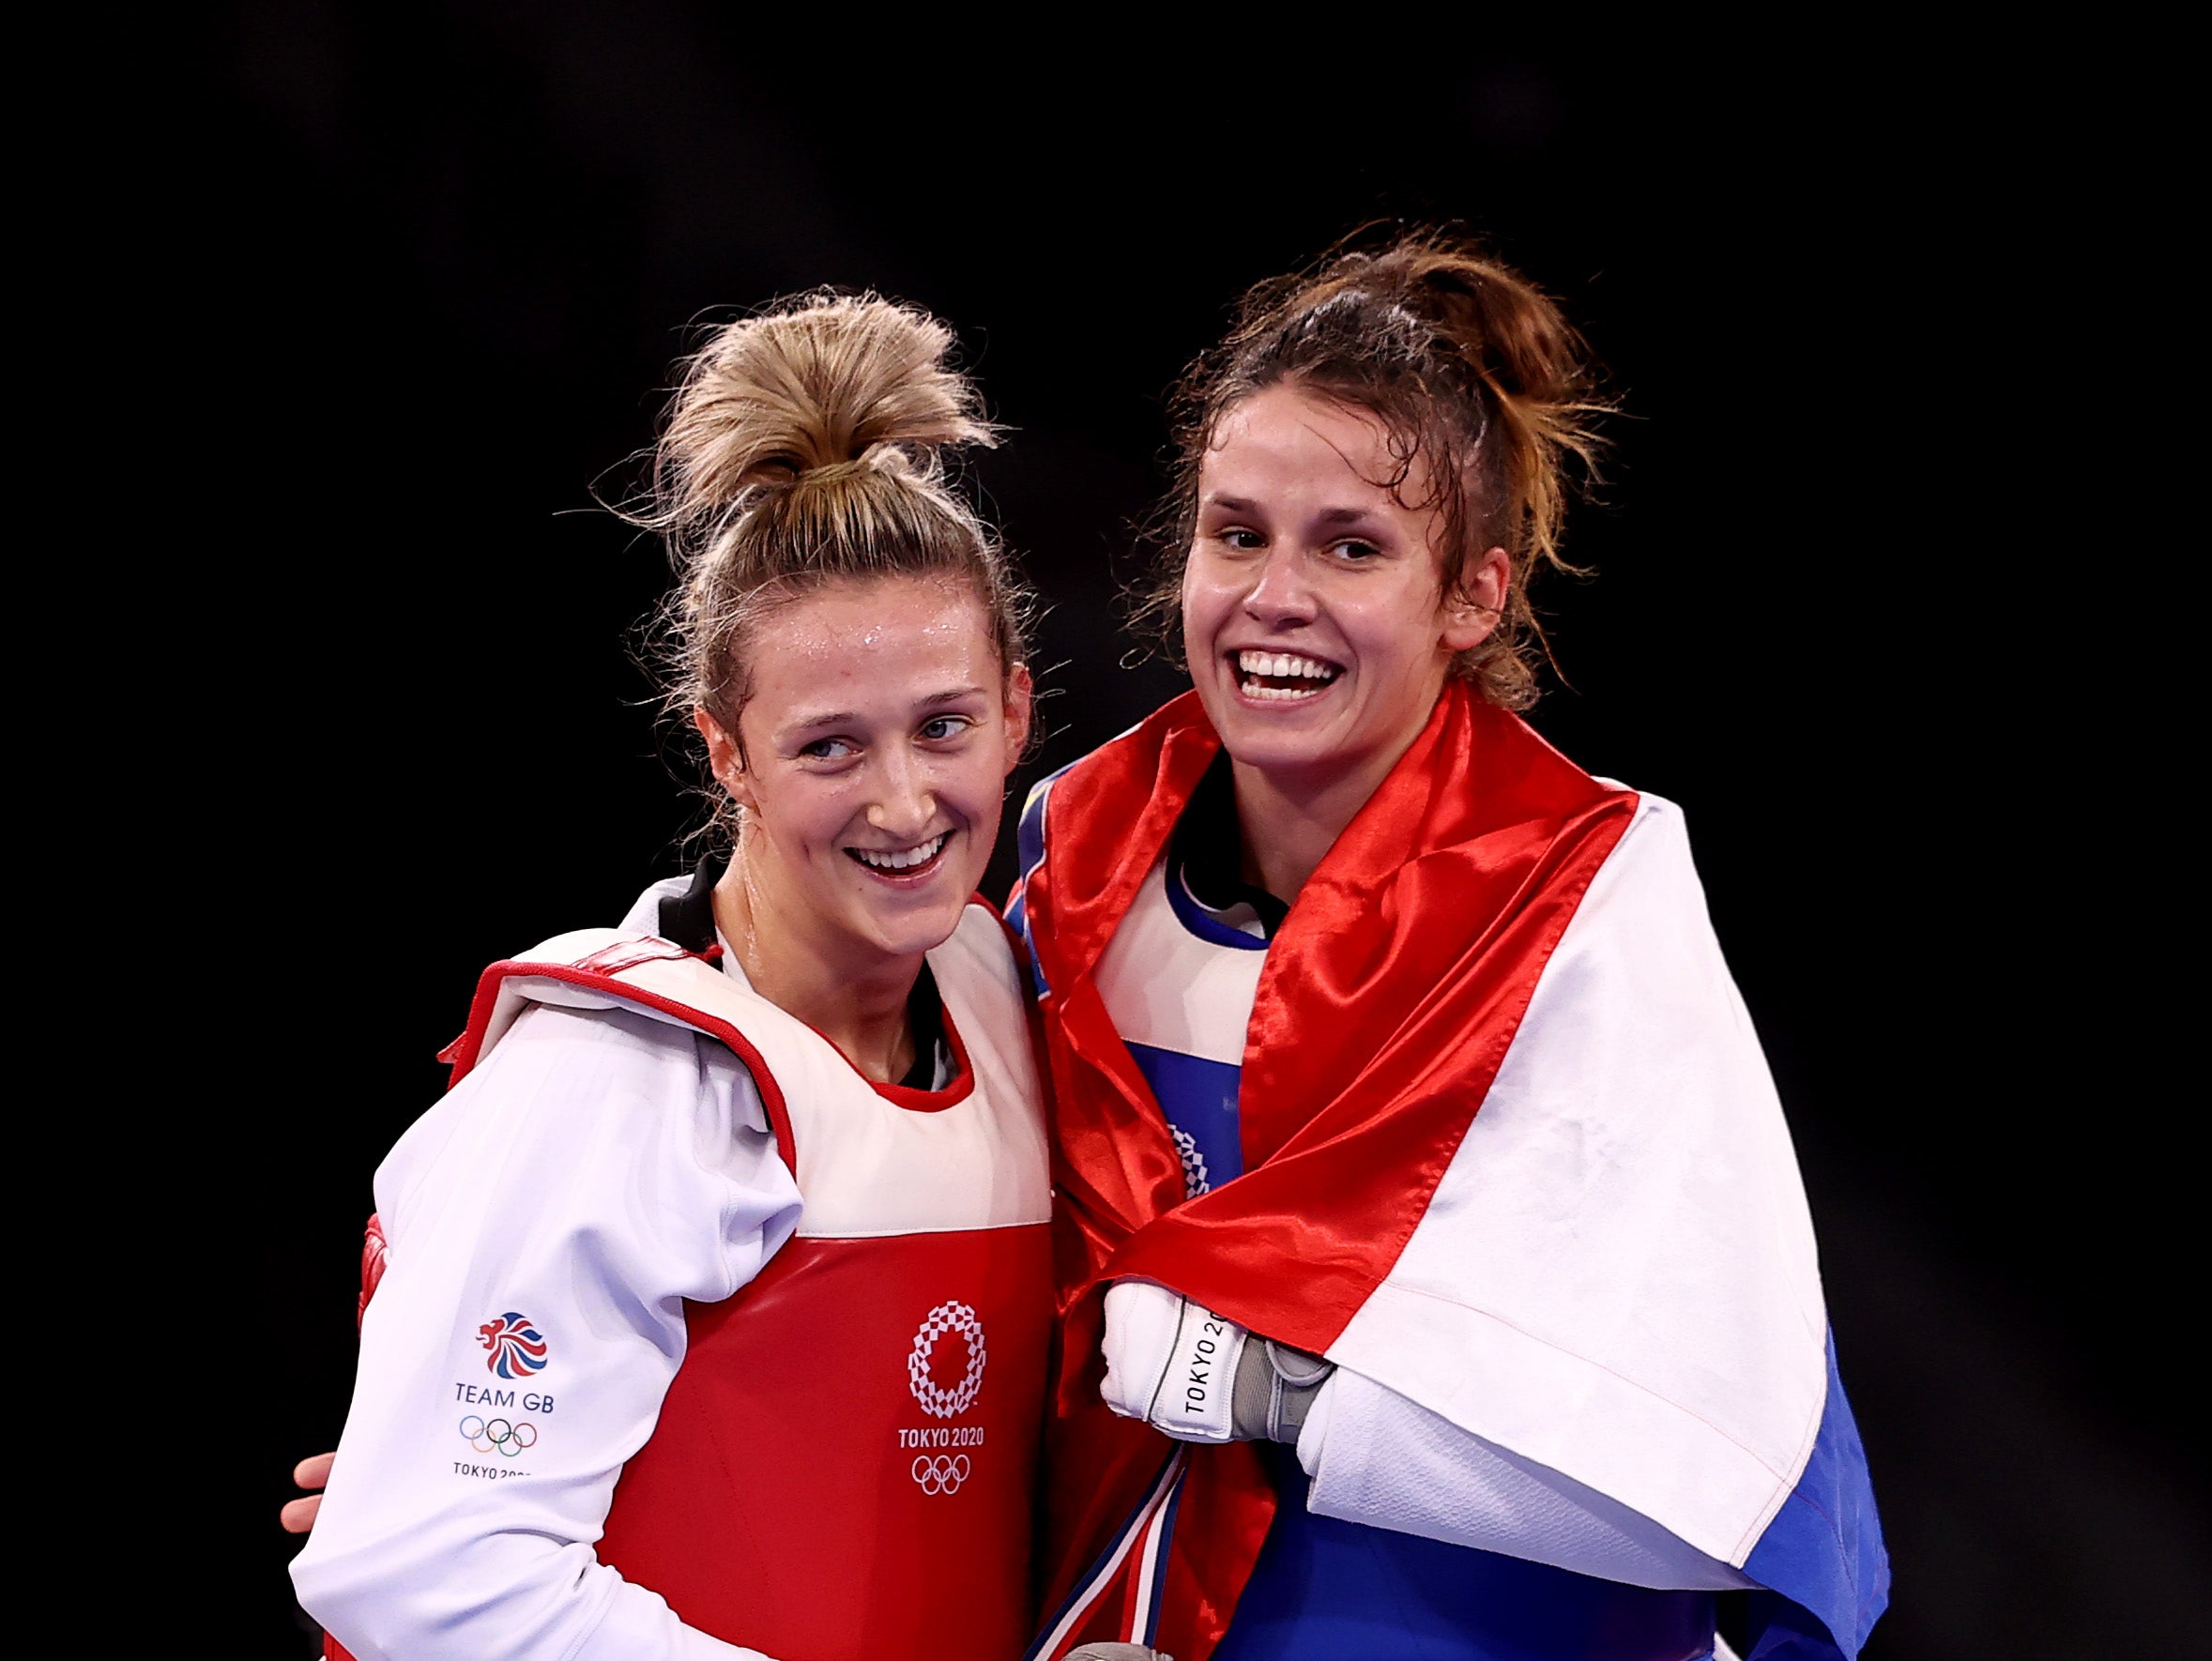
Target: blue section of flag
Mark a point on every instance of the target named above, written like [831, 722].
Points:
[1199, 1098]
[1824, 1551]
[1324, 1589]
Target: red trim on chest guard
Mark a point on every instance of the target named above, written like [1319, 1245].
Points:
[463, 1052]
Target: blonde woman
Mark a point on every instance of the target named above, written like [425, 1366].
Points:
[712, 1320]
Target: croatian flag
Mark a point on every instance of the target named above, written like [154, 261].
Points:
[1510, 1156]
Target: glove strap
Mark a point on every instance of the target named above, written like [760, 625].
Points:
[1275, 1390]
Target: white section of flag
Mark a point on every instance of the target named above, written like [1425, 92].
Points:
[1616, 1277]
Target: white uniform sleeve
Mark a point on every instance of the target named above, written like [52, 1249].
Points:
[1379, 1459]
[547, 1221]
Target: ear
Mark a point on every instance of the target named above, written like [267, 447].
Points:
[726, 757]
[1021, 693]
[1474, 609]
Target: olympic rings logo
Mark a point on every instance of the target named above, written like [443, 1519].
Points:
[938, 1402]
[496, 1435]
[941, 1474]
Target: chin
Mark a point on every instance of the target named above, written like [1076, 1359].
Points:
[919, 928]
[1287, 740]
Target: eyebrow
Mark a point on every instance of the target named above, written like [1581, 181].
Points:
[1328, 515]
[844, 717]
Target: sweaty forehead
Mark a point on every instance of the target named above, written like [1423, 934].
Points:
[1291, 449]
[870, 614]
[848, 643]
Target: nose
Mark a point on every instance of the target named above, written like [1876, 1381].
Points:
[903, 804]
[1280, 594]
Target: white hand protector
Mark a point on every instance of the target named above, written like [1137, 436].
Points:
[1171, 1361]
[1198, 1375]
[1119, 1652]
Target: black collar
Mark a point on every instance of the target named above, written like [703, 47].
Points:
[1208, 850]
[688, 918]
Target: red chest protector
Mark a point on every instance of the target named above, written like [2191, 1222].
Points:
[844, 1466]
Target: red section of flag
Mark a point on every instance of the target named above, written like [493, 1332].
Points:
[1389, 999]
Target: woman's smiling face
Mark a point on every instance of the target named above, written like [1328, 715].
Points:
[878, 735]
[1314, 614]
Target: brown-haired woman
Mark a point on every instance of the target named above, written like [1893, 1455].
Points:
[1437, 1225]
[715, 1306]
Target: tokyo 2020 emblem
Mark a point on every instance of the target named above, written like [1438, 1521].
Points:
[938, 1474]
[517, 1349]
[1195, 1180]
[937, 1401]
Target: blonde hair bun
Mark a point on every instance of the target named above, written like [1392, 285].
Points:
[807, 445]
[829, 381]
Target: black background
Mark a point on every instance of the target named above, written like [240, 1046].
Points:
[1855, 604]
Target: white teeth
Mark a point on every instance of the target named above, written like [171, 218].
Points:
[1278, 665]
[900, 858]
[1283, 665]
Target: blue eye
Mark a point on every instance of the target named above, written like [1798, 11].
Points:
[945, 726]
[828, 749]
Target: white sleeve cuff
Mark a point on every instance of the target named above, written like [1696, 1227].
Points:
[1380, 1459]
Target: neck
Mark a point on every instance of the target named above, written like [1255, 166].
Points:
[860, 1007]
[1286, 833]
[1288, 819]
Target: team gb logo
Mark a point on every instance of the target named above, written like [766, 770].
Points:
[937, 1401]
[517, 1349]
